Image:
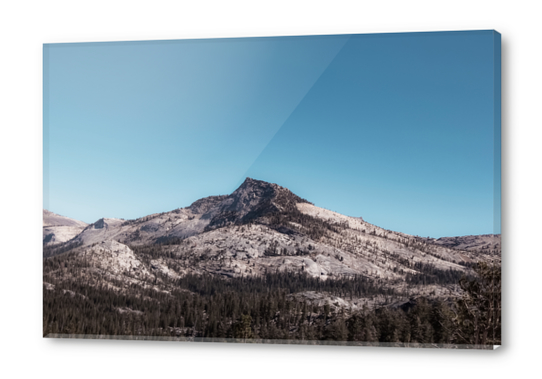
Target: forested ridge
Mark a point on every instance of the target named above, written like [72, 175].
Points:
[257, 307]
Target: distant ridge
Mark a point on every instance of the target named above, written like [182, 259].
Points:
[58, 229]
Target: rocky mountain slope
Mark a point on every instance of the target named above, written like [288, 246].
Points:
[263, 228]
[58, 229]
[489, 243]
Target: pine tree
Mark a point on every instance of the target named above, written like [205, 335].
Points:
[478, 317]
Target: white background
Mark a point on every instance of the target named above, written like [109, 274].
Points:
[26, 25]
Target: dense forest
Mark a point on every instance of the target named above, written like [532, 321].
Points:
[262, 307]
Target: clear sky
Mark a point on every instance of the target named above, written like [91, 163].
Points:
[400, 129]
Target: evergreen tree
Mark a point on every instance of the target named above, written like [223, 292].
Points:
[478, 317]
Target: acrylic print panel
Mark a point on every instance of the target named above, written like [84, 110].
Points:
[340, 189]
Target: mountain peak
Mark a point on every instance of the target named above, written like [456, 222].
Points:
[250, 180]
[255, 183]
[53, 219]
[105, 223]
[254, 191]
[253, 199]
[256, 187]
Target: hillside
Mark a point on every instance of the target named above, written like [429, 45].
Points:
[58, 229]
[261, 233]
[488, 243]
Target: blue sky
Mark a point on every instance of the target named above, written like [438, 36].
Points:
[396, 128]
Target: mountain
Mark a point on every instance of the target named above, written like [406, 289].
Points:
[483, 242]
[264, 227]
[253, 200]
[58, 229]
[262, 234]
